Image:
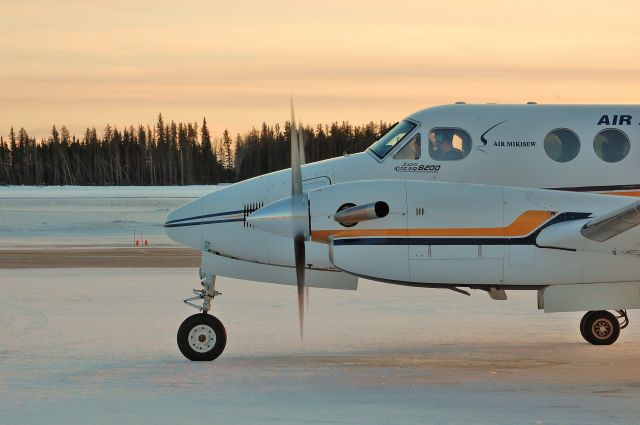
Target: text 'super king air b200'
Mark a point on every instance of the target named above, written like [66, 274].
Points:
[484, 197]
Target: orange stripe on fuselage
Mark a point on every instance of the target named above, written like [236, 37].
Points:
[526, 223]
[631, 193]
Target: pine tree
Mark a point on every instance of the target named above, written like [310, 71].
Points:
[175, 153]
[227, 159]
[208, 157]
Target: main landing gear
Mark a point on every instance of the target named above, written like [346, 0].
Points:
[202, 337]
[602, 327]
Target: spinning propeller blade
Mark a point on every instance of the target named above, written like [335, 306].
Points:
[303, 161]
[298, 206]
[298, 248]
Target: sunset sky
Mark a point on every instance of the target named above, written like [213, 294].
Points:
[81, 63]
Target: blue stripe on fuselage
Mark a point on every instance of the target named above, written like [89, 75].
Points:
[198, 223]
[202, 216]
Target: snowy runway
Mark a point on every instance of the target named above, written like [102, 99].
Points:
[97, 346]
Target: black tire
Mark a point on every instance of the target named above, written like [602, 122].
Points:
[601, 328]
[196, 337]
[582, 330]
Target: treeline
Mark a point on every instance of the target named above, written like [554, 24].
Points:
[167, 153]
[269, 149]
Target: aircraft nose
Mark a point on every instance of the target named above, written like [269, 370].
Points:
[184, 225]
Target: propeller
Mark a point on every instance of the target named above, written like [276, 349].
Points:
[302, 162]
[289, 217]
[299, 209]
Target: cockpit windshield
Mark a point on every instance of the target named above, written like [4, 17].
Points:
[391, 138]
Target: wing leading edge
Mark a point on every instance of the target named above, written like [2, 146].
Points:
[607, 226]
[615, 231]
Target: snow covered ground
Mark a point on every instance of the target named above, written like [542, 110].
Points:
[80, 346]
[34, 216]
[97, 346]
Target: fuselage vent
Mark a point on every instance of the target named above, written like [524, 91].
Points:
[248, 209]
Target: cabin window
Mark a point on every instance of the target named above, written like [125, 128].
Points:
[562, 145]
[391, 138]
[449, 144]
[411, 150]
[611, 145]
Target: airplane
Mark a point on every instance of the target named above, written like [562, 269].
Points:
[483, 197]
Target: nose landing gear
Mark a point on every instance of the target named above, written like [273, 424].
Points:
[602, 327]
[202, 337]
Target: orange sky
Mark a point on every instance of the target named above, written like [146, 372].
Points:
[85, 63]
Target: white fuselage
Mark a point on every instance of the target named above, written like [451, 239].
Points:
[506, 146]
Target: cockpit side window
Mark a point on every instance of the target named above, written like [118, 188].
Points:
[391, 138]
[411, 150]
[449, 144]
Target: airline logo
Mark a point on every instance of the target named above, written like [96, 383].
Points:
[615, 120]
[503, 143]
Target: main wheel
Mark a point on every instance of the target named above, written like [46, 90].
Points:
[201, 337]
[601, 328]
[582, 329]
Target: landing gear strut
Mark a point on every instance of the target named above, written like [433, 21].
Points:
[202, 337]
[602, 327]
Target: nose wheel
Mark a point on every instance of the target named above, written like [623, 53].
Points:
[202, 337]
[602, 327]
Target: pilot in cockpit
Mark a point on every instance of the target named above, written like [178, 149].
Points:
[444, 149]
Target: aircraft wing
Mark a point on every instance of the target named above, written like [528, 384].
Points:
[610, 225]
[616, 231]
